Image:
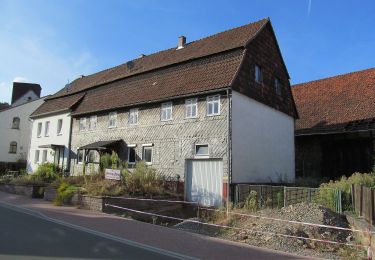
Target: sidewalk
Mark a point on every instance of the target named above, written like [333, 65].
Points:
[177, 241]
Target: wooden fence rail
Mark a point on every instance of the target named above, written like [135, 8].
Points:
[363, 202]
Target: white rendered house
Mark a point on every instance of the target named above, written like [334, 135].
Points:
[50, 135]
[15, 127]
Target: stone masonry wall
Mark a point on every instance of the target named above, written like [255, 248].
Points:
[174, 141]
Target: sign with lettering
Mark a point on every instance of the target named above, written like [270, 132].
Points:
[112, 174]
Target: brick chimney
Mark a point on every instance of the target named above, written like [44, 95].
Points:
[181, 42]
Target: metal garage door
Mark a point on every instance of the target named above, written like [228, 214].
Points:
[204, 182]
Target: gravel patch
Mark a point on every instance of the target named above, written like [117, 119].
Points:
[260, 232]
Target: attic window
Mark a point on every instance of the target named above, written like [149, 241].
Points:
[277, 86]
[16, 123]
[258, 74]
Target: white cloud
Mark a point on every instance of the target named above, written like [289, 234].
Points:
[20, 79]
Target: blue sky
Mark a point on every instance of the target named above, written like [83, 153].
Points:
[53, 42]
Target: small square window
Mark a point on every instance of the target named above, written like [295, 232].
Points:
[13, 147]
[16, 123]
[191, 108]
[201, 150]
[82, 124]
[147, 154]
[166, 111]
[93, 122]
[133, 116]
[213, 105]
[258, 74]
[59, 126]
[112, 119]
[39, 131]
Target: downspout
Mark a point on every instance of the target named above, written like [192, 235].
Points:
[69, 143]
[229, 146]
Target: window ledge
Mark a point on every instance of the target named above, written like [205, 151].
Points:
[201, 156]
[112, 127]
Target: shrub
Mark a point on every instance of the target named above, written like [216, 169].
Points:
[27, 180]
[344, 184]
[251, 202]
[105, 162]
[65, 193]
[104, 188]
[47, 172]
[143, 180]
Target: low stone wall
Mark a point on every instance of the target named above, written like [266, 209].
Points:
[50, 194]
[31, 191]
[89, 202]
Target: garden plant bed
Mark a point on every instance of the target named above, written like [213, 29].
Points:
[259, 231]
[32, 191]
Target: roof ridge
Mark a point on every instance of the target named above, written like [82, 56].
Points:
[332, 77]
[173, 48]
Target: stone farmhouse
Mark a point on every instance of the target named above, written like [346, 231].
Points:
[15, 128]
[208, 113]
[335, 131]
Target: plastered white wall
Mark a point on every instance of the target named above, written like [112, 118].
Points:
[21, 135]
[262, 142]
[28, 97]
[53, 138]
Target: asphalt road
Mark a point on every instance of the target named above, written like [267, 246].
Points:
[24, 235]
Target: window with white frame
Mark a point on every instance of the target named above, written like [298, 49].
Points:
[39, 130]
[112, 119]
[201, 150]
[44, 156]
[93, 122]
[133, 116]
[80, 156]
[13, 147]
[46, 129]
[213, 105]
[258, 74]
[147, 154]
[191, 108]
[59, 126]
[131, 154]
[82, 124]
[166, 111]
[277, 86]
[36, 156]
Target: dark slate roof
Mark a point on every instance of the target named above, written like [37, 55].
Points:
[337, 104]
[207, 64]
[21, 88]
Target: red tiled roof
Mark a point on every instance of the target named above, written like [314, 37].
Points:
[57, 105]
[217, 43]
[337, 104]
[206, 64]
[203, 75]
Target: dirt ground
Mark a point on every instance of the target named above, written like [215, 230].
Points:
[262, 232]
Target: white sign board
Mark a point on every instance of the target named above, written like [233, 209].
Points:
[112, 174]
